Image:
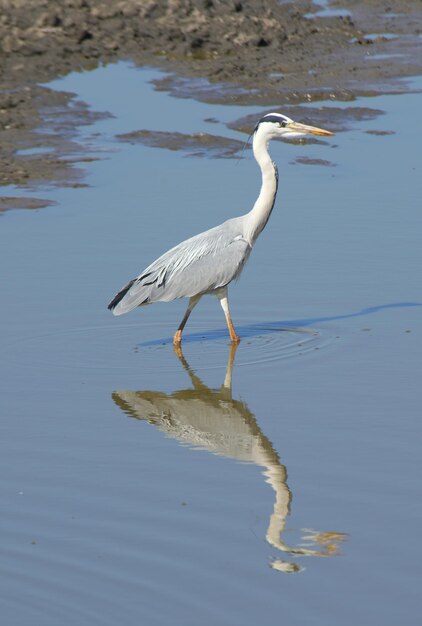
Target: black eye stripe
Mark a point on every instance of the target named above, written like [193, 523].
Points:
[276, 119]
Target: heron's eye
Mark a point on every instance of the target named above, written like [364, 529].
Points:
[282, 124]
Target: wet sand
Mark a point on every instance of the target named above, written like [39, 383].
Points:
[246, 52]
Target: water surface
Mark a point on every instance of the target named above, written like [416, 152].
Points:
[277, 484]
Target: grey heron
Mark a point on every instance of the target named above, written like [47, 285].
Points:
[207, 263]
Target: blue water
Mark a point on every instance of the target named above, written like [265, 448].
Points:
[134, 493]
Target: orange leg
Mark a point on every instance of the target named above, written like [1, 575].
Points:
[224, 301]
[177, 339]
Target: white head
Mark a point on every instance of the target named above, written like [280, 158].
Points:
[277, 125]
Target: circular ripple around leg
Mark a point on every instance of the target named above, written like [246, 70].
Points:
[260, 344]
[118, 347]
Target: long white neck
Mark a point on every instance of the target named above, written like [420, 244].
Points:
[257, 218]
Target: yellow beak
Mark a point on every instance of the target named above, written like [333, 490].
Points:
[303, 128]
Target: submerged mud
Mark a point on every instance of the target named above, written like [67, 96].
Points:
[195, 144]
[335, 118]
[7, 203]
[261, 52]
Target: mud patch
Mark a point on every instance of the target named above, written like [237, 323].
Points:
[13, 202]
[333, 118]
[260, 52]
[197, 144]
[380, 132]
[308, 161]
[39, 137]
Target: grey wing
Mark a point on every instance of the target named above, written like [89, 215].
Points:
[198, 265]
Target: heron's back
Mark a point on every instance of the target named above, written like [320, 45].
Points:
[196, 266]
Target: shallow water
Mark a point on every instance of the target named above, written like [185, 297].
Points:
[327, 12]
[294, 496]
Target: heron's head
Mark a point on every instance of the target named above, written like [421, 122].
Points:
[278, 125]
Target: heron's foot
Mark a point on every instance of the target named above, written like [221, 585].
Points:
[233, 334]
[177, 339]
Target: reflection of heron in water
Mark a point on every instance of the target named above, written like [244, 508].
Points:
[210, 419]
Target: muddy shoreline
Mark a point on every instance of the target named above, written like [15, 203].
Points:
[255, 52]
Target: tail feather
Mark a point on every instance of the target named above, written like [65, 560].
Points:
[119, 296]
